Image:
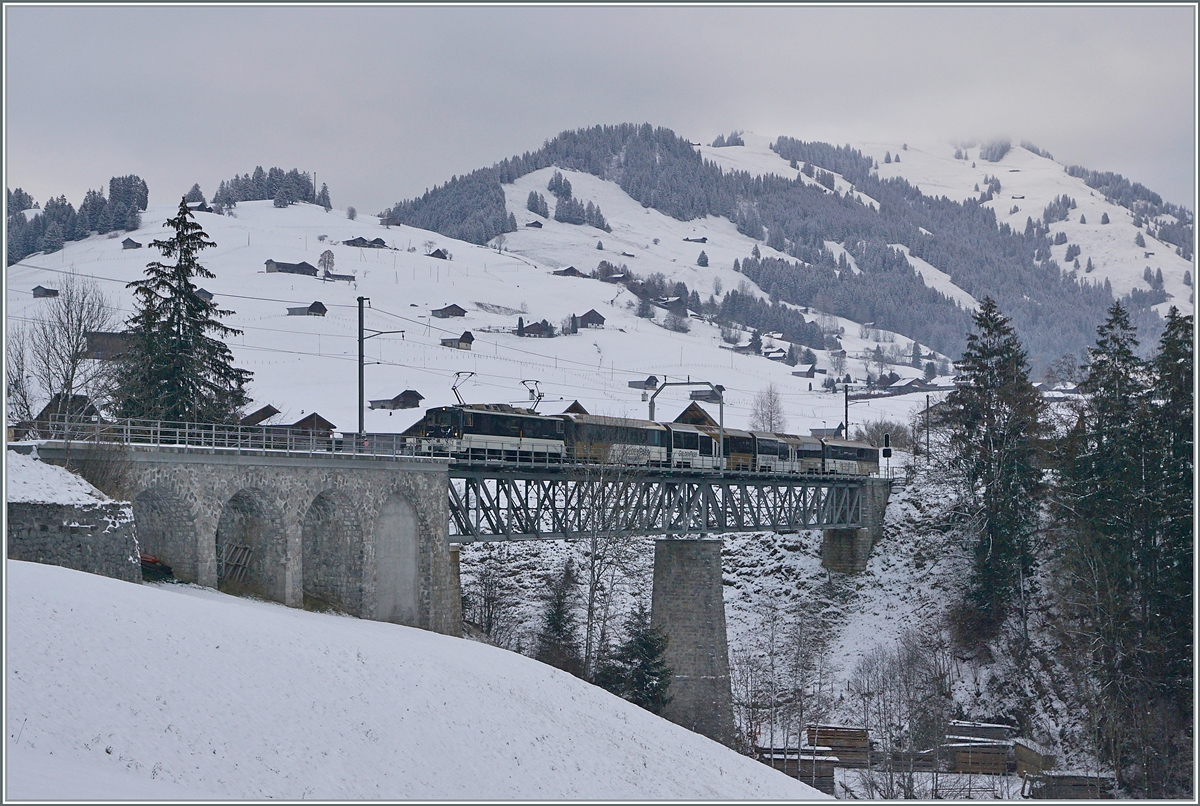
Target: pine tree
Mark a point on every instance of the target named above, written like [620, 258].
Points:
[638, 670]
[195, 194]
[702, 260]
[52, 238]
[1104, 218]
[133, 219]
[175, 369]
[558, 640]
[323, 198]
[1140, 241]
[995, 430]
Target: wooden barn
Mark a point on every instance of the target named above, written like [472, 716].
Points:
[41, 292]
[449, 311]
[130, 243]
[260, 416]
[591, 319]
[303, 267]
[316, 309]
[408, 399]
[462, 342]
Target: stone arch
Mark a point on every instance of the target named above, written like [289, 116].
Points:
[251, 547]
[166, 528]
[332, 554]
[397, 566]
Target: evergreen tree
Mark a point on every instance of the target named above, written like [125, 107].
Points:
[175, 369]
[323, 198]
[916, 355]
[558, 639]
[638, 670]
[520, 326]
[133, 219]
[1140, 241]
[1104, 218]
[195, 194]
[995, 429]
[702, 260]
[1127, 502]
[281, 199]
[1082, 219]
[52, 238]
[756, 342]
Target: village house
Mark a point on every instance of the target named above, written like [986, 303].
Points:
[805, 371]
[330, 277]
[448, 312]
[462, 342]
[199, 207]
[649, 384]
[104, 346]
[569, 271]
[408, 399]
[302, 267]
[828, 433]
[534, 224]
[539, 330]
[204, 294]
[591, 319]
[316, 309]
[440, 254]
[363, 243]
[260, 416]
[703, 239]
[130, 243]
[41, 292]
[312, 425]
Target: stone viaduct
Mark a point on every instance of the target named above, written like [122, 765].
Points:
[359, 535]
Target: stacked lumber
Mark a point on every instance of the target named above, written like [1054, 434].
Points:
[1032, 758]
[981, 757]
[850, 745]
[812, 765]
[979, 730]
[1073, 786]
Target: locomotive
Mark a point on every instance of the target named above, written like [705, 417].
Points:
[504, 433]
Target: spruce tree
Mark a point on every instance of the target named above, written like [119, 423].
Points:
[702, 260]
[638, 670]
[558, 639]
[995, 430]
[175, 369]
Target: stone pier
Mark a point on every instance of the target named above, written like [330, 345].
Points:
[689, 605]
[847, 550]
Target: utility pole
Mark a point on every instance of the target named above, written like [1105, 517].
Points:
[361, 361]
[926, 429]
[846, 420]
[361, 396]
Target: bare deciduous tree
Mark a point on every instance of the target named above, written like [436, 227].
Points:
[767, 413]
[18, 384]
[57, 344]
[325, 262]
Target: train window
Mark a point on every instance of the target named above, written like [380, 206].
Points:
[706, 445]
[686, 440]
[558, 426]
[470, 419]
[860, 453]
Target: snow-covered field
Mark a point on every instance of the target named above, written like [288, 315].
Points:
[118, 691]
[303, 364]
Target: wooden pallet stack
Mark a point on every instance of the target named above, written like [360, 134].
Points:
[812, 765]
[978, 747]
[1073, 786]
[850, 745]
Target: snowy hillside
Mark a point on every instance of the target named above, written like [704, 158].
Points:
[124, 691]
[303, 364]
[1029, 183]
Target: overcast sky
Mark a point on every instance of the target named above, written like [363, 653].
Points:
[384, 102]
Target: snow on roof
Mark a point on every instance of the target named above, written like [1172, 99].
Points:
[32, 481]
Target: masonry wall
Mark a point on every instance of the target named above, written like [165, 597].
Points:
[95, 538]
[847, 550]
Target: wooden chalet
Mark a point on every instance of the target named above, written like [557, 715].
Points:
[462, 342]
[130, 243]
[805, 371]
[41, 292]
[199, 207]
[408, 399]
[204, 294]
[303, 267]
[105, 346]
[534, 224]
[330, 277]
[575, 408]
[449, 311]
[260, 416]
[538, 330]
[312, 425]
[650, 384]
[592, 319]
[695, 414]
[440, 254]
[828, 433]
[569, 271]
[363, 243]
[63, 405]
[702, 239]
[316, 309]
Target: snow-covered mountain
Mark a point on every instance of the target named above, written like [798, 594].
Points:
[166, 692]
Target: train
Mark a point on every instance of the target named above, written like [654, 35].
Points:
[505, 433]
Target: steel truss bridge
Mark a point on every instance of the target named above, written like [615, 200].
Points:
[536, 496]
[488, 504]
